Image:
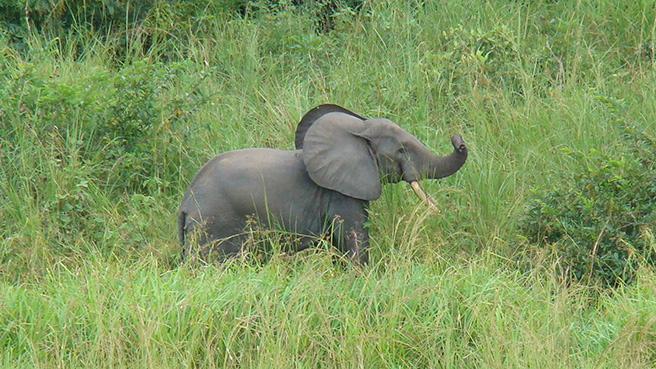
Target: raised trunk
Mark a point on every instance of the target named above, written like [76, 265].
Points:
[435, 167]
[443, 166]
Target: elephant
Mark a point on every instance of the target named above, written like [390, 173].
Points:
[322, 188]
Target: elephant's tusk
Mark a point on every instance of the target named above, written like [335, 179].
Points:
[423, 195]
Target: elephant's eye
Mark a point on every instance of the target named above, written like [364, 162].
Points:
[402, 151]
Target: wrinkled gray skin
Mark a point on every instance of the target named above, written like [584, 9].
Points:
[323, 187]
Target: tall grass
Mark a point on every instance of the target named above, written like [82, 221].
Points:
[309, 313]
[98, 144]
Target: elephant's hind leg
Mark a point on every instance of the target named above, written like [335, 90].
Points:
[213, 239]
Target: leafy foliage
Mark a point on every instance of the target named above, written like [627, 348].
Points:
[71, 147]
[601, 221]
[480, 57]
[126, 118]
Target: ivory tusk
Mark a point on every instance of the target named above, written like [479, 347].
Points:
[432, 204]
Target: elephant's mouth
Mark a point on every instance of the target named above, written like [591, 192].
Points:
[432, 204]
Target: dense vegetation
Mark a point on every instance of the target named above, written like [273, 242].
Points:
[542, 254]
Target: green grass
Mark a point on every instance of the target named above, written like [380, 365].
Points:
[306, 312]
[99, 139]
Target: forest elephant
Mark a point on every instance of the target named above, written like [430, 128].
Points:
[321, 188]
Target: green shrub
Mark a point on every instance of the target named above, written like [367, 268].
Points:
[102, 15]
[151, 26]
[486, 53]
[140, 124]
[77, 150]
[127, 25]
[600, 222]
[125, 129]
[472, 58]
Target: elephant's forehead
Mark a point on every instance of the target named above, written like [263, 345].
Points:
[401, 135]
[387, 127]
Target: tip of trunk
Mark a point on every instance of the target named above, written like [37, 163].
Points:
[458, 144]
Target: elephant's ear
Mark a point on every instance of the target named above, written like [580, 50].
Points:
[310, 117]
[337, 157]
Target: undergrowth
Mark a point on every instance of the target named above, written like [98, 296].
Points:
[601, 220]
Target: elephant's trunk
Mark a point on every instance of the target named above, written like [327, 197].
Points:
[443, 166]
[436, 167]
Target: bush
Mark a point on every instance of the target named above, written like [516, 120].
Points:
[473, 58]
[485, 54]
[600, 223]
[142, 121]
[158, 26]
[87, 157]
[102, 15]
[130, 123]
[126, 24]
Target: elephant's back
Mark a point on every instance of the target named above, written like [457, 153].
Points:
[245, 161]
[249, 164]
[238, 177]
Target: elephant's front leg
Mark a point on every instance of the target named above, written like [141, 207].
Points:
[350, 235]
[357, 244]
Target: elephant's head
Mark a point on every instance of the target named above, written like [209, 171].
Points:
[349, 154]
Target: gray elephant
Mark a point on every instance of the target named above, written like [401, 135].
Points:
[321, 188]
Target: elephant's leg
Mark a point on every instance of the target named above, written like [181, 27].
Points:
[351, 236]
[212, 239]
[196, 240]
[357, 244]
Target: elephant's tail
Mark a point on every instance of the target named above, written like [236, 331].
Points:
[182, 218]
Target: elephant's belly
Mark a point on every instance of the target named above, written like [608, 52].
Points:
[286, 218]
